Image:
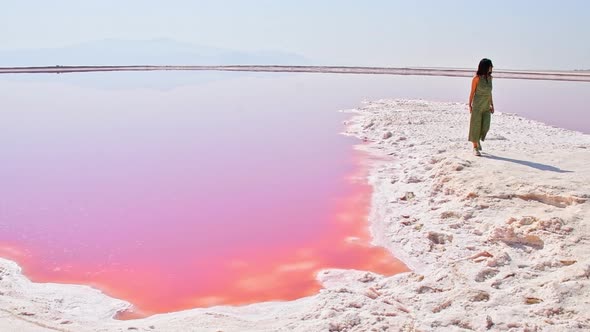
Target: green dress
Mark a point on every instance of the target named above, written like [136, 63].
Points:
[480, 114]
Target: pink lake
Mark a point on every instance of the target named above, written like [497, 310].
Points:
[227, 192]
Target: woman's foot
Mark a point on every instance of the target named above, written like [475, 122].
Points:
[479, 146]
[476, 152]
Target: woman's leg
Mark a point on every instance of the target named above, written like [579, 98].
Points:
[475, 149]
[486, 119]
[475, 124]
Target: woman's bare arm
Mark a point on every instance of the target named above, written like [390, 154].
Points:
[473, 87]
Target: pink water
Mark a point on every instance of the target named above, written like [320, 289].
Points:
[173, 199]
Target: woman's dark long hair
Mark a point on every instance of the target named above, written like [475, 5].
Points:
[484, 68]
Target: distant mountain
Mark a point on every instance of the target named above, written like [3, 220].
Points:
[143, 52]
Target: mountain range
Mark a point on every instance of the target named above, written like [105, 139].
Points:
[143, 52]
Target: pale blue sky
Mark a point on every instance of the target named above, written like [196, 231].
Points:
[514, 34]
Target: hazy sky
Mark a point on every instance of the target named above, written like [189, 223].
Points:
[514, 34]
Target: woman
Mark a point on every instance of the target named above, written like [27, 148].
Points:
[481, 105]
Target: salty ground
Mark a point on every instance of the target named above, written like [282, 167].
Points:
[498, 242]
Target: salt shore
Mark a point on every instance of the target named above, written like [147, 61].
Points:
[499, 242]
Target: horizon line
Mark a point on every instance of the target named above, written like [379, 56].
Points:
[552, 75]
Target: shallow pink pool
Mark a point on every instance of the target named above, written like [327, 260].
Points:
[221, 193]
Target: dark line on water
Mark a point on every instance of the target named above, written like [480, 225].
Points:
[576, 76]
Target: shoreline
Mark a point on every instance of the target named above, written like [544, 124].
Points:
[500, 237]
